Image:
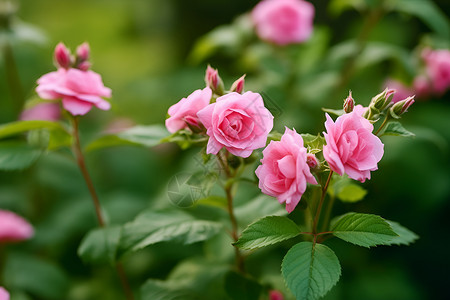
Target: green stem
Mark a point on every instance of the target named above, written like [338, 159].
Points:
[383, 124]
[13, 79]
[328, 213]
[87, 178]
[319, 208]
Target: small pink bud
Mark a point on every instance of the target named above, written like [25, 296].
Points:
[349, 103]
[275, 295]
[83, 52]
[383, 99]
[401, 107]
[62, 56]
[312, 161]
[238, 85]
[213, 80]
[84, 66]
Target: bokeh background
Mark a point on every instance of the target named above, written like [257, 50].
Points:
[151, 54]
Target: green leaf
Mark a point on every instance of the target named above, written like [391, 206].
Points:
[314, 143]
[241, 287]
[99, 245]
[165, 290]
[310, 270]
[351, 193]
[153, 227]
[336, 7]
[17, 155]
[363, 229]
[427, 11]
[147, 136]
[216, 201]
[405, 236]
[397, 129]
[18, 127]
[336, 112]
[257, 208]
[267, 231]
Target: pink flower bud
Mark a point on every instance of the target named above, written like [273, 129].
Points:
[275, 295]
[312, 161]
[14, 228]
[401, 107]
[238, 85]
[84, 66]
[213, 80]
[83, 52]
[383, 99]
[4, 295]
[62, 56]
[349, 103]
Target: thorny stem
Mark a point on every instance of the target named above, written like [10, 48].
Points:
[87, 178]
[319, 208]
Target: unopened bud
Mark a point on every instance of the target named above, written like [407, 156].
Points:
[383, 99]
[63, 58]
[312, 161]
[401, 107]
[349, 103]
[213, 80]
[83, 52]
[275, 295]
[238, 85]
[84, 66]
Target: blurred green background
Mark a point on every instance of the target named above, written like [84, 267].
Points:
[142, 49]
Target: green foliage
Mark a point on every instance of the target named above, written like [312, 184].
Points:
[314, 143]
[14, 128]
[257, 208]
[405, 236]
[99, 245]
[146, 136]
[163, 290]
[267, 231]
[346, 190]
[396, 128]
[363, 229]
[310, 270]
[240, 287]
[153, 227]
[16, 155]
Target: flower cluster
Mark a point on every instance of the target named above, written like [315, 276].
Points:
[78, 87]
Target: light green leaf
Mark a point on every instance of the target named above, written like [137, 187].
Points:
[427, 11]
[257, 208]
[216, 201]
[314, 143]
[267, 231]
[16, 155]
[405, 236]
[18, 127]
[147, 136]
[363, 229]
[310, 270]
[336, 112]
[336, 7]
[351, 193]
[397, 129]
[153, 227]
[99, 245]
[165, 290]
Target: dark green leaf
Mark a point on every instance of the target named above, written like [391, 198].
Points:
[310, 270]
[405, 236]
[165, 290]
[16, 155]
[99, 245]
[363, 229]
[267, 231]
[397, 129]
[240, 287]
[153, 227]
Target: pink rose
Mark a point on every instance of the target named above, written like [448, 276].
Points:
[421, 85]
[79, 90]
[14, 228]
[185, 111]
[284, 171]
[43, 112]
[4, 295]
[401, 90]
[351, 146]
[240, 123]
[438, 68]
[283, 21]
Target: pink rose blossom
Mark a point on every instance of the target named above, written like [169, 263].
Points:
[185, 111]
[438, 68]
[240, 123]
[4, 295]
[351, 146]
[421, 86]
[284, 171]
[43, 112]
[63, 58]
[79, 90]
[401, 90]
[283, 21]
[275, 295]
[14, 228]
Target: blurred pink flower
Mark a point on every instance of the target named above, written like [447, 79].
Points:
[184, 112]
[283, 21]
[401, 90]
[351, 146]
[275, 295]
[421, 87]
[14, 228]
[240, 123]
[4, 295]
[284, 172]
[79, 90]
[437, 64]
[43, 112]
[63, 58]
